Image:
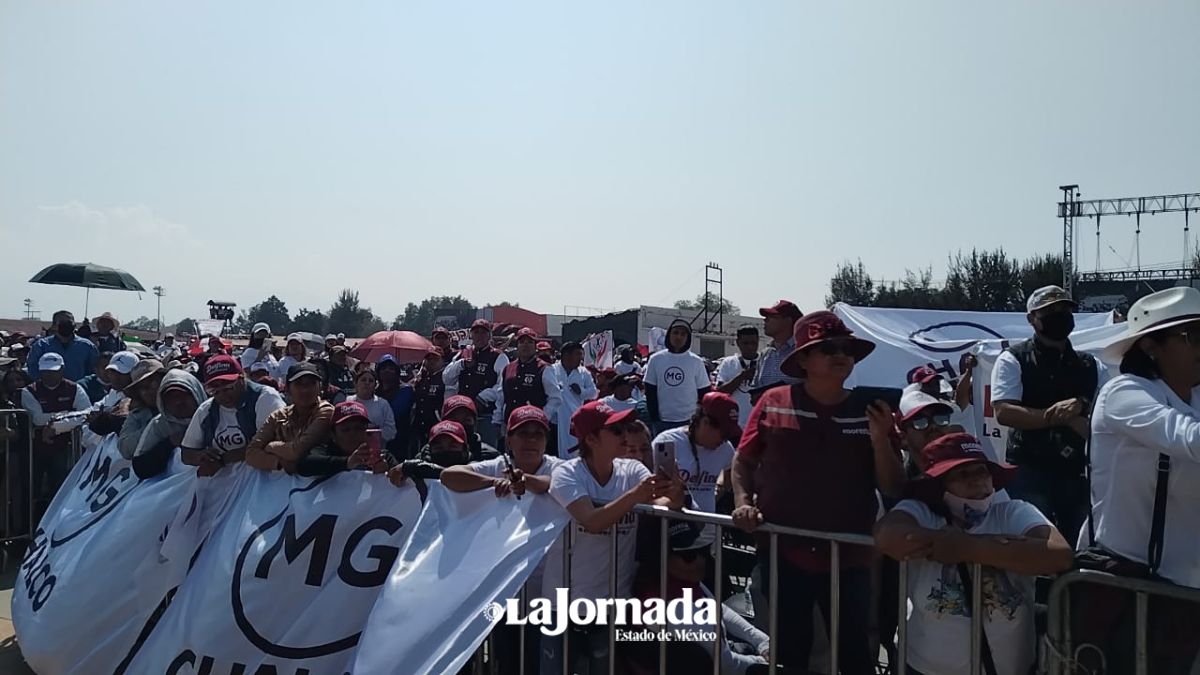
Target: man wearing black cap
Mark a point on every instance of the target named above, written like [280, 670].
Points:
[675, 380]
[292, 431]
[1042, 389]
[478, 374]
[778, 320]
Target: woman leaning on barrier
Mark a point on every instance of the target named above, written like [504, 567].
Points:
[600, 489]
[952, 520]
[1145, 470]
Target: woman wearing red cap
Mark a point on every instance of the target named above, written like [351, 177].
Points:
[953, 521]
[600, 488]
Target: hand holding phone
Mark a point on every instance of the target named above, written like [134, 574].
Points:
[375, 444]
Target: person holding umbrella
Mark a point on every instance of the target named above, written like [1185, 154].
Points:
[78, 355]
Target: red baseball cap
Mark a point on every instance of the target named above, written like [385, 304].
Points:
[527, 414]
[435, 351]
[441, 329]
[222, 368]
[724, 410]
[349, 410]
[482, 323]
[594, 416]
[448, 428]
[782, 308]
[527, 333]
[952, 451]
[458, 401]
[922, 375]
[544, 346]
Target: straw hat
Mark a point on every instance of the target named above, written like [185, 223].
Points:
[1153, 313]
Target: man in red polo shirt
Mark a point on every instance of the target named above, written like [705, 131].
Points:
[812, 456]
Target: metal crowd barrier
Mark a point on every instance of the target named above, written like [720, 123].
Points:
[10, 534]
[721, 522]
[1062, 655]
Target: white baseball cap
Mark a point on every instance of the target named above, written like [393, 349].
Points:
[914, 401]
[260, 326]
[51, 361]
[123, 362]
[295, 337]
[329, 337]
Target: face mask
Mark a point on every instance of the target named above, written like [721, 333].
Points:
[66, 328]
[970, 511]
[1058, 326]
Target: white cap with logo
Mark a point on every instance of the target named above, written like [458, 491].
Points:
[123, 362]
[51, 361]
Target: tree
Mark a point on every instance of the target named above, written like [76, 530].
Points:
[142, 323]
[915, 291]
[349, 316]
[184, 325]
[714, 301]
[852, 285]
[271, 311]
[1041, 270]
[421, 318]
[310, 321]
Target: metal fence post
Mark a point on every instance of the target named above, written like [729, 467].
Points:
[612, 593]
[718, 578]
[772, 604]
[835, 604]
[521, 631]
[976, 616]
[568, 541]
[663, 535]
[1140, 629]
[902, 623]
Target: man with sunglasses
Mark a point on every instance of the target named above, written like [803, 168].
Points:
[224, 424]
[1042, 390]
[812, 456]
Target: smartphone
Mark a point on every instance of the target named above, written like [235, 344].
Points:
[375, 441]
[664, 458]
[889, 395]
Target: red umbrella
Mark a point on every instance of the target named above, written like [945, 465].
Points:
[406, 346]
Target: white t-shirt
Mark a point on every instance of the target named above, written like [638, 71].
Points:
[731, 367]
[572, 480]
[228, 435]
[251, 355]
[699, 469]
[1134, 420]
[678, 377]
[939, 619]
[619, 405]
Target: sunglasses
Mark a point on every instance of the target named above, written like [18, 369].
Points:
[834, 347]
[940, 420]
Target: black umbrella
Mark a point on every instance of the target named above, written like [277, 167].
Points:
[89, 276]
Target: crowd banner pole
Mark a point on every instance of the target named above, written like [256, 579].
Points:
[718, 578]
[1140, 629]
[902, 622]
[663, 531]
[976, 616]
[612, 593]
[773, 604]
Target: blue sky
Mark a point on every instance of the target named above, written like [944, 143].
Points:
[559, 154]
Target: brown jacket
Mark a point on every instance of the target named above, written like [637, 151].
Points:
[298, 430]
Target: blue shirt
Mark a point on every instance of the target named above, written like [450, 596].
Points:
[79, 356]
[768, 373]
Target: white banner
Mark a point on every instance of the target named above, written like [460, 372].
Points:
[656, 339]
[210, 327]
[286, 579]
[907, 338]
[94, 568]
[598, 350]
[468, 550]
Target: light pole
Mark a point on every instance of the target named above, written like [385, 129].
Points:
[159, 292]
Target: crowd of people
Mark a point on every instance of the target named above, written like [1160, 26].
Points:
[1102, 458]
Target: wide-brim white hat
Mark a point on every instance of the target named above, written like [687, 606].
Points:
[1153, 313]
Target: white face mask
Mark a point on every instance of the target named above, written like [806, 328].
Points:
[970, 511]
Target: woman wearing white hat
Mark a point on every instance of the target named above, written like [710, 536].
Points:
[1145, 451]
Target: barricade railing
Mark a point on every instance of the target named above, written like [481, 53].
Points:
[1061, 654]
[774, 532]
[10, 479]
